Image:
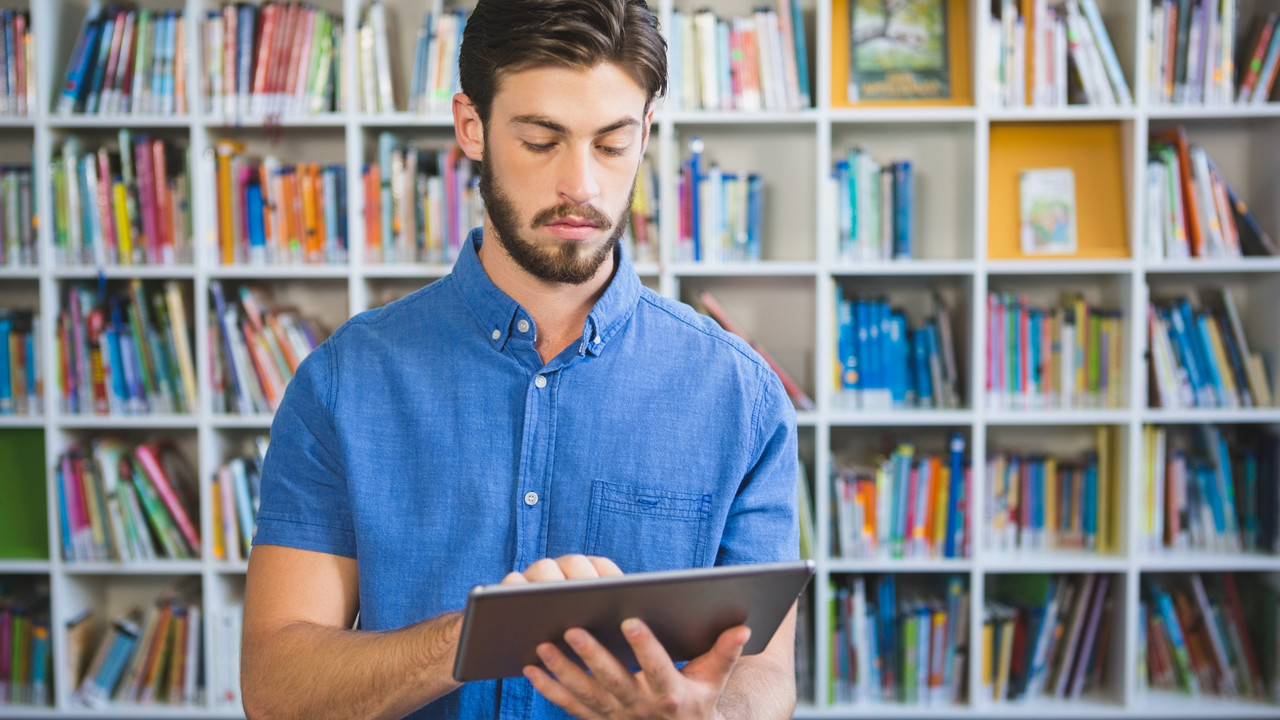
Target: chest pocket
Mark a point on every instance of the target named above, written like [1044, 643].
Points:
[645, 528]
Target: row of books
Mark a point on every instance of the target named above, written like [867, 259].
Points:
[255, 349]
[884, 364]
[1193, 57]
[1200, 357]
[234, 499]
[145, 656]
[1046, 635]
[909, 647]
[26, 667]
[1192, 211]
[18, 246]
[1211, 488]
[126, 501]
[721, 211]
[21, 373]
[435, 60]
[875, 208]
[1065, 356]
[1040, 501]
[754, 62]
[123, 205]
[1051, 55]
[277, 213]
[279, 58]
[17, 63]
[127, 61]
[907, 504]
[419, 202]
[1209, 634]
[126, 349]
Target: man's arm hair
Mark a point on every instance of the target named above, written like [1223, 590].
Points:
[300, 657]
[764, 685]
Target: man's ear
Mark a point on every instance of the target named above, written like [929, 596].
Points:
[467, 127]
[648, 126]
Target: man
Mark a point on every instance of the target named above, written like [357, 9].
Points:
[536, 403]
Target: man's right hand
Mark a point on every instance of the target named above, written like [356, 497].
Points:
[565, 567]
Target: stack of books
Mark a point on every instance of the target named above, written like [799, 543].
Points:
[1046, 635]
[126, 352]
[277, 213]
[21, 370]
[127, 502]
[18, 246]
[128, 205]
[26, 666]
[419, 202]
[255, 348]
[721, 211]
[755, 62]
[1051, 55]
[1194, 58]
[17, 64]
[235, 503]
[127, 61]
[907, 647]
[875, 203]
[280, 58]
[908, 505]
[435, 62]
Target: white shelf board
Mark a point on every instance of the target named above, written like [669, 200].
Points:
[33, 422]
[300, 271]
[274, 122]
[405, 120]
[1213, 112]
[1064, 561]
[1205, 560]
[962, 268]
[25, 567]
[893, 116]
[20, 272]
[1071, 113]
[764, 268]
[1211, 415]
[117, 121]
[899, 418]
[1066, 416]
[1214, 266]
[894, 565]
[736, 117]
[256, 421]
[158, 421]
[1166, 704]
[406, 270]
[122, 272]
[127, 569]
[1061, 266]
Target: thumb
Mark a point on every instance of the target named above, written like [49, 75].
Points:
[715, 665]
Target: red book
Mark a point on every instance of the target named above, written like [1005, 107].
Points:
[1177, 138]
[1254, 64]
[106, 218]
[1235, 613]
[20, 60]
[147, 194]
[127, 52]
[149, 455]
[262, 54]
[164, 206]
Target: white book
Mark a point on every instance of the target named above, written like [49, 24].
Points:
[1154, 217]
[1156, 55]
[382, 58]
[704, 26]
[190, 690]
[1106, 53]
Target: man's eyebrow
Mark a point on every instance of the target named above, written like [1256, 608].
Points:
[544, 122]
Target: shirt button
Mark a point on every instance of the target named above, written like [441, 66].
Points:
[596, 340]
[496, 334]
[523, 326]
[540, 381]
[531, 498]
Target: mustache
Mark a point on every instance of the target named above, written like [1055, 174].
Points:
[564, 210]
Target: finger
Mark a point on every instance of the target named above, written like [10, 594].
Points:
[577, 566]
[606, 670]
[555, 692]
[604, 566]
[715, 665]
[514, 578]
[544, 569]
[576, 681]
[655, 663]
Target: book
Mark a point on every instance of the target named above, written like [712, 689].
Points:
[1047, 200]
[899, 51]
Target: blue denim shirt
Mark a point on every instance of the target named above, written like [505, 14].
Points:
[428, 440]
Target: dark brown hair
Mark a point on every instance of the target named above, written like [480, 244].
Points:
[510, 35]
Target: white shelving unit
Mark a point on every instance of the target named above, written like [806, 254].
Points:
[786, 302]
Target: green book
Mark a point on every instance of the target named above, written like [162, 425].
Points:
[24, 523]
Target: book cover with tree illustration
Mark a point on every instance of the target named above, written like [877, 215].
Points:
[898, 50]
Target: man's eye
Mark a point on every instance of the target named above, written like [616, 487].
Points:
[539, 147]
[613, 151]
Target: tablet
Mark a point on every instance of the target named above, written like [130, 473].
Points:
[686, 609]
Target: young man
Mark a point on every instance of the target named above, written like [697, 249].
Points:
[537, 403]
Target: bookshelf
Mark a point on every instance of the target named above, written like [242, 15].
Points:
[964, 155]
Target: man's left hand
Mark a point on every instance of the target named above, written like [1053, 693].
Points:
[658, 690]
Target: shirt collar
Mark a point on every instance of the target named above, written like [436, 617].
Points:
[496, 313]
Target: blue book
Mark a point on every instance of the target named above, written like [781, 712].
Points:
[83, 57]
[123, 640]
[846, 344]
[417, 83]
[953, 544]
[695, 189]
[874, 357]
[255, 218]
[755, 215]
[1090, 509]
[920, 365]
[1033, 350]
[887, 324]
[887, 629]
[329, 188]
[723, 55]
[6, 391]
[862, 316]
[119, 386]
[340, 177]
[1202, 339]
[94, 92]
[897, 363]
[903, 198]
[1179, 336]
[844, 208]
[243, 403]
[802, 54]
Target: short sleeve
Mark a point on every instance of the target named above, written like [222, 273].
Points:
[304, 502]
[763, 524]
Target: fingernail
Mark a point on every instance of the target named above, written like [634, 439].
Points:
[573, 636]
[631, 627]
[544, 652]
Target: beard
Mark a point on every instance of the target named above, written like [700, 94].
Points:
[567, 262]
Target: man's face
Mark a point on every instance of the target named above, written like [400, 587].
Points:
[561, 152]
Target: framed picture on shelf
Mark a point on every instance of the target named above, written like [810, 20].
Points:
[901, 52]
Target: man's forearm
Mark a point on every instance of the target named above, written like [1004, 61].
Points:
[760, 688]
[305, 670]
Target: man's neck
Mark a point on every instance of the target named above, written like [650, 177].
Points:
[559, 310]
